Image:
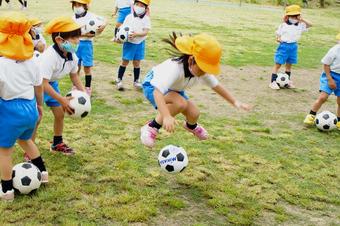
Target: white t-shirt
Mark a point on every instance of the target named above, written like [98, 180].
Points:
[332, 58]
[83, 21]
[291, 33]
[169, 75]
[137, 24]
[39, 39]
[54, 66]
[123, 3]
[18, 78]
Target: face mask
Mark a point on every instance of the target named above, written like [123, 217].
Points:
[69, 47]
[79, 10]
[292, 21]
[37, 30]
[139, 10]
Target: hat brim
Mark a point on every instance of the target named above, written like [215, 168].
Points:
[214, 69]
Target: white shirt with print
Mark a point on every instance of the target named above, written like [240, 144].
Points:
[291, 33]
[332, 58]
[137, 24]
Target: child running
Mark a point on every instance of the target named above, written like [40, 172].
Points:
[20, 98]
[329, 83]
[165, 85]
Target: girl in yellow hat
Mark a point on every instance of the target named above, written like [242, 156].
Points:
[139, 25]
[329, 83]
[56, 62]
[165, 85]
[85, 50]
[20, 97]
[288, 34]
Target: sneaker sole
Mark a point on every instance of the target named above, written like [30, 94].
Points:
[63, 153]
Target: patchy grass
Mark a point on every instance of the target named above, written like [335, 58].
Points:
[261, 168]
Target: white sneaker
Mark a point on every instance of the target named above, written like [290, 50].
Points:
[44, 177]
[119, 84]
[8, 196]
[274, 85]
[148, 135]
[138, 85]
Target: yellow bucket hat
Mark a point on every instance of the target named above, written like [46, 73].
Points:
[86, 2]
[146, 2]
[15, 41]
[61, 24]
[293, 10]
[206, 50]
[35, 21]
[338, 37]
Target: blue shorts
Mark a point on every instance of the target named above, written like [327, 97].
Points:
[148, 90]
[324, 84]
[49, 101]
[286, 53]
[85, 53]
[18, 119]
[122, 13]
[133, 51]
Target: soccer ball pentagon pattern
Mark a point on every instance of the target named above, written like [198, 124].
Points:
[326, 121]
[26, 177]
[282, 80]
[36, 54]
[80, 103]
[123, 34]
[173, 159]
[93, 24]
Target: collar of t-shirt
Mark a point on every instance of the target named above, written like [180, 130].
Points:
[37, 37]
[81, 15]
[141, 16]
[68, 57]
[289, 23]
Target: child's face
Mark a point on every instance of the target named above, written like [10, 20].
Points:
[194, 68]
[70, 41]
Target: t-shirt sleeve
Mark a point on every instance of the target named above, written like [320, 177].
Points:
[38, 77]
[279, 30]
[329, 57]
[303, 27]
[210, 80]
[147, 23]
[46, 65]
[165, 77]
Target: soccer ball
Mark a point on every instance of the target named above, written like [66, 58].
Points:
[173, 159]
[26, 177]
[123, 34]
[282, 80]
[93, 24]
[326, 121]
[80, 103]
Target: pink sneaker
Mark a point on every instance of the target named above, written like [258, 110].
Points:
[26, 158]
[88, 90]
[44, 177]
[8, 196]
[148, 135]
[199, 132]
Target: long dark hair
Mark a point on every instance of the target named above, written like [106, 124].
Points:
[177, 55]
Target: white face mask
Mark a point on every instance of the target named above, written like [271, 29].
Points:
[292, 21]
[139, 10]
[37, 30]
[79, 10]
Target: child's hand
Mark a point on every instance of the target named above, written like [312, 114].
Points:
[132, 35]
[100, 29]
[242, 106]
[332, 84]
[169, 124]
[65, 103]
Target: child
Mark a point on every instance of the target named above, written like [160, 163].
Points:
[57, 61]
[36, 31]
[165, 85]
[329, 82]
[9, 4]
[20, 97]
[288, 34]
[85, 49]
[123, 7]
[140, 24]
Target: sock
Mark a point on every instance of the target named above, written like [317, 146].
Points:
[312, 112]
[121, 72]
[7, 185]
[25, 3]
[116, 30]
[274, 76]
[288, 73]
[136, 73]
[88, 79]
[21, 2]
[155, 124]
[38, 162]
[191, 126]
[57, 140]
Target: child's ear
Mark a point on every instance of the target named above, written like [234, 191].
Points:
[59, 40]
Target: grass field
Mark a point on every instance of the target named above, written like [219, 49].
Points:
[257, 168]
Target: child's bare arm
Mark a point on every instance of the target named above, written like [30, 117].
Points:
[308, 24]
[115, 11]
[168, 120]
[140, 34]
[76, 81]
[229, 97]
[331, 82]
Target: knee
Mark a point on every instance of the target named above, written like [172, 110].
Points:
[182, 105]
[125, 63]
[136, 63]
[87, 70]
[195, 113]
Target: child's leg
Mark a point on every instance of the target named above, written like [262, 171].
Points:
[6, 170]
[58, 113]
[288, 69]
[117, 27]
[319, 102]
[192, 114]
[136, 70]
[88, 76]
[122, 69]
[338, 111]
[32, 151]
[275, 71]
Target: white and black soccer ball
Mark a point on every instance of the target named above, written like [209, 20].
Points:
[282, 80]
[93, 24]
[26, 177]
[80, 103]
[326, 121]
[173, 159]
[123, 33]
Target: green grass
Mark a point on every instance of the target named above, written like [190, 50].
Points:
[261, 168]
